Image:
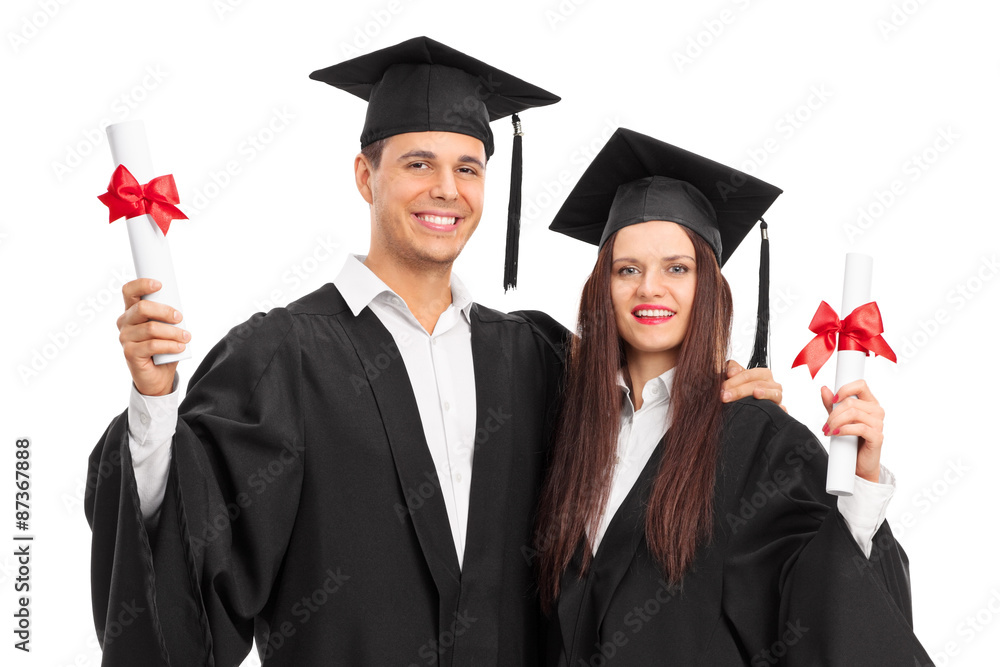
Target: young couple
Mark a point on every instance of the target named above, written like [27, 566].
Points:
[387, 473]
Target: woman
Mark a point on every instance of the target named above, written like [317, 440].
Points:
[711, 542]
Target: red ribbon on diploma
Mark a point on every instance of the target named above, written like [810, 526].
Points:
[126, 198]
[861, 330]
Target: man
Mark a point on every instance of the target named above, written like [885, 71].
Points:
[352, 479]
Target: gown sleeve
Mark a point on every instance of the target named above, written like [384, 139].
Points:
[187, 592]
[798, 589]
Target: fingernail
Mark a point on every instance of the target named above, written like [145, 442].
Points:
[836, 398]
[187, 336]
[181, 346]
[826, 429]
[837, 432]
[177, 316]
[157, 284]
[726, 395]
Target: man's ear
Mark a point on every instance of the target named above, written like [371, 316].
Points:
[364, 174]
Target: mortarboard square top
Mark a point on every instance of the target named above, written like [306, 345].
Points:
[636, 178]
[421, 85]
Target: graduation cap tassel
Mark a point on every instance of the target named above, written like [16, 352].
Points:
[759, 357]
[513, 210]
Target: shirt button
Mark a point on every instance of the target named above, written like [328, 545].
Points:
[434, 341]
[144, 418]
[447, 405]
[655, 390]
[458, 477]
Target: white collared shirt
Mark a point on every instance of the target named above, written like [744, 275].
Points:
[641, 431]
[441, 374]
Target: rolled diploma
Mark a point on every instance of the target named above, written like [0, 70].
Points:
[850, 367]
[150, 251]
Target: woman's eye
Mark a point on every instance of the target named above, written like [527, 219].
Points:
[628, 271]
[678, 268]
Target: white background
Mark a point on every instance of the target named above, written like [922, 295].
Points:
[832, 102]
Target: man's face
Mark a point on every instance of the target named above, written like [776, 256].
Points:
[426, 195]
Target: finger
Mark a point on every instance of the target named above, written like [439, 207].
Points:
[133, 290]
[767, 392]
[847, 416]
[733, 390]
[770, 391]
[853, 403]
[870, 436]
[782, 406]
[857, 388]
[143, 311]
[756, 375]
[153, 331]
[147, 348]
[733, 368]
[827, 397]
[843, 415]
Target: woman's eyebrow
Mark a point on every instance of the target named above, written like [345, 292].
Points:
[669, 258]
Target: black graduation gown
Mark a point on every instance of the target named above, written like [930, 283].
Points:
[782, 581]
[302, 506]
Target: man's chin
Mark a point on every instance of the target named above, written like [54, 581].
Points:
[435, 257]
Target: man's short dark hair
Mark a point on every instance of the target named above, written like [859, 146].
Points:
[373, 152]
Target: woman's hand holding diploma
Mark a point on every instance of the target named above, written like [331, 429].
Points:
[857, 412]
[143, 333]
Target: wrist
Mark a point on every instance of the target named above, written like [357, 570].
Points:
[157, 389]
[869, 475]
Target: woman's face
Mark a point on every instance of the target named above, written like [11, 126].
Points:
[652, 287]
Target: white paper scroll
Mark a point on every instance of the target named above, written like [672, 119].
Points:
[850, 367]
[150, 252]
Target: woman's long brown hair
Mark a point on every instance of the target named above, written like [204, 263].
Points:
[576, 490]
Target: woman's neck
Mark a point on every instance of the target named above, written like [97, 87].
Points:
[644, 366]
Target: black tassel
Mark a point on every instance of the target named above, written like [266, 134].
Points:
[513, 210]
[759, 358]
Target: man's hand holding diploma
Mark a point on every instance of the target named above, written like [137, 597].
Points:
[145, 329]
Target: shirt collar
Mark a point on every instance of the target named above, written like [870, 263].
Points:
[656, 390]
[359, 287]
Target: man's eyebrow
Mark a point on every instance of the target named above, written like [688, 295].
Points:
[427, 155]
[430, 155]
[474, 160]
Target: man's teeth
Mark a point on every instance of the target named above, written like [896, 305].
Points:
[646, 312]
[437, 219]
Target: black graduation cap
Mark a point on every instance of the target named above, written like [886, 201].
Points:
[636, 178]
[421, 85]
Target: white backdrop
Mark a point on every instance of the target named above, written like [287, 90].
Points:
[877, 118]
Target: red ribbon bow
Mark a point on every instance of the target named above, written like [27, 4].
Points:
[126, 198]
[861, 330]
